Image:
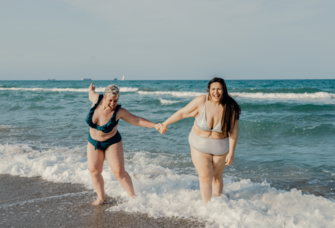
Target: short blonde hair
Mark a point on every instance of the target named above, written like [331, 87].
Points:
[112, 90]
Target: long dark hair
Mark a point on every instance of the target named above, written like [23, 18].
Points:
[231, 110]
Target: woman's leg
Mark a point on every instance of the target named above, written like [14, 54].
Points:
[95, 160]
[115, 159]
[204, 165]
[219, 165]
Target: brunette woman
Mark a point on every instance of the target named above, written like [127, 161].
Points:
[213, 136]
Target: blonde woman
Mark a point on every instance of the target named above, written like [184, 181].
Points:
[104, 140]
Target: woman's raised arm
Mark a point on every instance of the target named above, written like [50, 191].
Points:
[92, 95]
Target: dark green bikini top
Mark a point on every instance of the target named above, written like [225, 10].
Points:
[108, 127]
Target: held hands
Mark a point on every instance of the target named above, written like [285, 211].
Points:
[229, 159]
[161, 128]
[91, 88]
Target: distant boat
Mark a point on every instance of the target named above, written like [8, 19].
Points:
[115, 79]
[86, 79]
[50, 79]
[122, 79]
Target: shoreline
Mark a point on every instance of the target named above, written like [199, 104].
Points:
[34, 202]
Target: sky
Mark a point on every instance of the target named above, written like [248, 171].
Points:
[167, 39]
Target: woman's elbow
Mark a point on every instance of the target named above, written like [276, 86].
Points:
[233, 133]
[138, 122]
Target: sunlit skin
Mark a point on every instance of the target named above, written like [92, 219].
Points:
[208, 166]
[114, 153]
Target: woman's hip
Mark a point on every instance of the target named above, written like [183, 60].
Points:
[103, 145]
[209, 145]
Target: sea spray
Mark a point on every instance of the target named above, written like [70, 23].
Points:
[163, 192]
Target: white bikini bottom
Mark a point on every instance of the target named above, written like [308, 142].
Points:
[208, 145]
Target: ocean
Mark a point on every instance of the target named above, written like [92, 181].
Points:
[284, 170]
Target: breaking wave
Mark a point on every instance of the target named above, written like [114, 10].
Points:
[163, 192]
[100, 89]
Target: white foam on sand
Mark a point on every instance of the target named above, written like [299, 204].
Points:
[98, 89]
[167, 102]
[163, 192]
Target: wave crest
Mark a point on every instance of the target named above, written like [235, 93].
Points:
[285, 96]
[100, 89]
[167, 102]
[247, 95]
[172, 93]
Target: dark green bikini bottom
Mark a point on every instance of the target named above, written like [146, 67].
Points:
[105, 144]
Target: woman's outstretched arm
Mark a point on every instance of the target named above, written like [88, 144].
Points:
[190, 110]
[136, 120]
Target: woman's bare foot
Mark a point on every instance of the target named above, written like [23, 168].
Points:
[98, 202]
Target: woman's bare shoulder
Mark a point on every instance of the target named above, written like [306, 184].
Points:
[122, 111]
[200, 99]
[94, 97]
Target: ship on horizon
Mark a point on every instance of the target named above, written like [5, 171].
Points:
[51, 79]
[122, 79]
[86, 79]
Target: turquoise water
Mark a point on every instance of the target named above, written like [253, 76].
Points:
[286, 130]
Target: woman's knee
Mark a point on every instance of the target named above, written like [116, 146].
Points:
[217, 178]
[119, 173]
[94, 172]
[205, 177]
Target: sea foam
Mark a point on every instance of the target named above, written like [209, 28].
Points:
[163, 192]
[285, 96]
[167, 102]
[99, 89]
[172, 93]
[318, 96]
[260, 95]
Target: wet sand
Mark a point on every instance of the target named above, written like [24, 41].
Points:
[34, 202]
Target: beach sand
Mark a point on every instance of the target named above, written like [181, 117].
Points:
[34, 202]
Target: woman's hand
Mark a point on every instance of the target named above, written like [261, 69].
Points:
[229, 159]
[91, 88]
[92, 95]
[157, 126]
[162, 128]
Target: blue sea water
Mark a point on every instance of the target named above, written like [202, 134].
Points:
[286, 134]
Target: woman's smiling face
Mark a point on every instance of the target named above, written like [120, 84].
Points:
[111, 102]
[216, 91]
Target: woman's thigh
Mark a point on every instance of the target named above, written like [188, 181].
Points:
[219, 164]
[114, 156]
[95, 158]
[203, 163]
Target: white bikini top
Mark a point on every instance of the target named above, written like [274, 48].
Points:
[201, 121]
